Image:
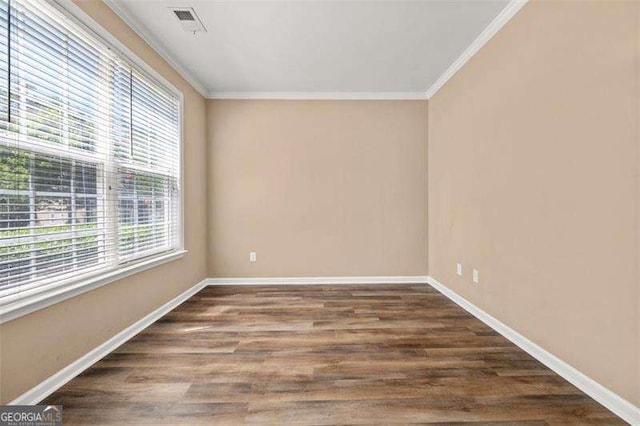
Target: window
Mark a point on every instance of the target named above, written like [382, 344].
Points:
[89, 155]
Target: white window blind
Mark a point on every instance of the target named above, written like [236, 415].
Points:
[89, 154]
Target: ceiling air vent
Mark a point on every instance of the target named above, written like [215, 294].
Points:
[184, 15]
[188, 19]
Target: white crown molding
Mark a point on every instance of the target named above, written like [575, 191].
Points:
[612, 401]
[420, 279]
[155, 45]
[319, 95]
[503, 17]
[59, 379]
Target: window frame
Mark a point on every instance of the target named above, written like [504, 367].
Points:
[65, 287]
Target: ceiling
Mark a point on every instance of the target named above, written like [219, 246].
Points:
[357, 49]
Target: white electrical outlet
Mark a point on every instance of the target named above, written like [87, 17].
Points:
[459, 269]
[253, 256]
[476, 276]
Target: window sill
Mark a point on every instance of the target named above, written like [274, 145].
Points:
[56, 294]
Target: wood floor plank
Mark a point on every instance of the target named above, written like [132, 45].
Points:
[322, 354]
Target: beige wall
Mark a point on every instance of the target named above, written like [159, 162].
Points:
[533, 165]
[533, 180]
[317, 188]
[39, 344]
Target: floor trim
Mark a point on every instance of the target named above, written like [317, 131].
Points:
[612, 401]
[420, 279]
[618, 405]
[56, 381]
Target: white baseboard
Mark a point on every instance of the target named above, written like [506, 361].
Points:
[53, 383]
[420, 279]
[604, 396]
[618, 405]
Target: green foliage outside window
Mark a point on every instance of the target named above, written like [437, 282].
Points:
[14, 169]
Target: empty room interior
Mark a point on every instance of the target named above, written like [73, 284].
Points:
[319, 212]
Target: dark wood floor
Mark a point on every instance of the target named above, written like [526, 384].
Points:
[322, 355]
